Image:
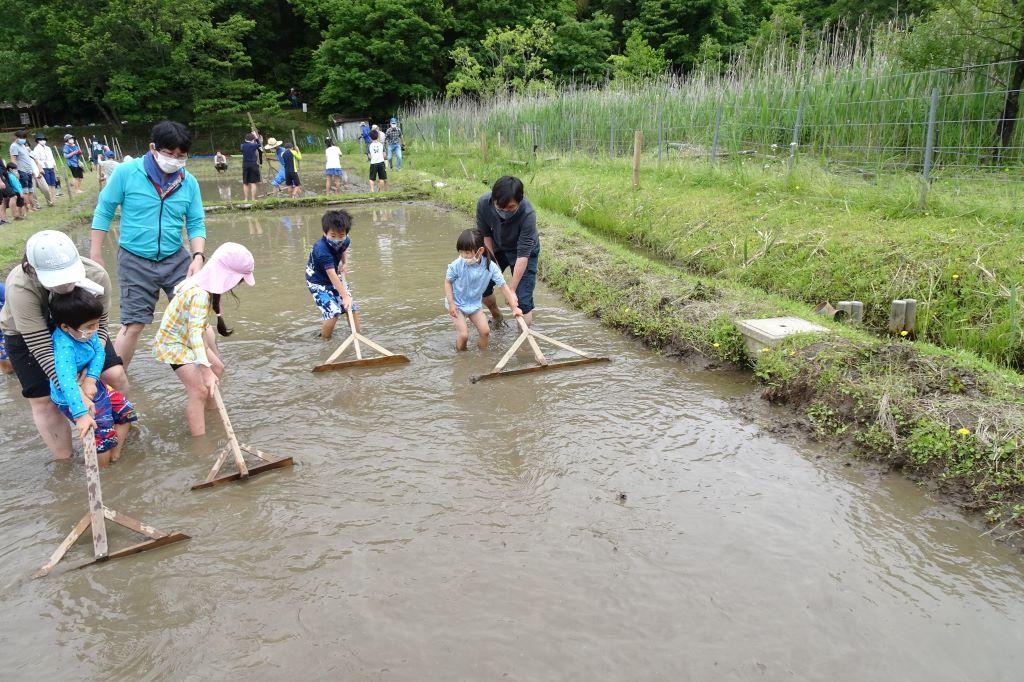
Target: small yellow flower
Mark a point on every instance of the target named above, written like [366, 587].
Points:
[963, 432]
[764, 350]
[792, 352]
[903, 333]
[796, 186]
[956, 276]
[716, 345]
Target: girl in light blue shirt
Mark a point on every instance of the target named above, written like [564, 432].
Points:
[464, 285]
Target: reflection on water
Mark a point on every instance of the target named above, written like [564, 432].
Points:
[437, 529]
[227, 186]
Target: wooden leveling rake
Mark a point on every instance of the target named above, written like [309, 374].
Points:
[96, 517]
[530, 336]
[386, 357]
[235, 449]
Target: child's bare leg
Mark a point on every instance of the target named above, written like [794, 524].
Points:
[6, 367]
[479, 320]
[104, 459]
[217, 365]
[327, 328]
[461, 331]
[196, 394]
[492, 305]
[327, 187]
[122, 432]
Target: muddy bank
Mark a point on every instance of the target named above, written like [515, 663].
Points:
[271, 203]
[942, 416]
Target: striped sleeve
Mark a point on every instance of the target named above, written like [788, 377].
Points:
[40, 345]
[104, 328]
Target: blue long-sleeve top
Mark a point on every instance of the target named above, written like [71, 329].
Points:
[71, 357]
[152, 213]
[14, 182]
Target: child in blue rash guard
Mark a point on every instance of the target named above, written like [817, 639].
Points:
[464, 285]
[77, 347]
[327, 262]
[5, 363]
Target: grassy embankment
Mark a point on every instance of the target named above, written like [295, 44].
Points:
[942, 414]
[65, 215]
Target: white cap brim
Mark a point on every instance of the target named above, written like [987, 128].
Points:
[73, 273]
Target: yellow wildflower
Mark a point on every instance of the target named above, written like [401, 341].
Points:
[963, 432]
[903, 333]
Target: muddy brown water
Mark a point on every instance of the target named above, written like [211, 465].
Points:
[228, 186]
[435, 529]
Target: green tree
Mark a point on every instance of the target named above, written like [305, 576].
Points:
[580, 49]
[639, 62]
[377, 54]
[515, 59]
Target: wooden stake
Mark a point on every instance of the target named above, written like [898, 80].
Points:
[638, 142]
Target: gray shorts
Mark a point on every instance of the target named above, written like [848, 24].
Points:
[142, 279]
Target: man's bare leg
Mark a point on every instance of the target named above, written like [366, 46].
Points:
[126, 341]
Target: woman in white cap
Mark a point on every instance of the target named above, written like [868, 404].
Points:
[51, 264]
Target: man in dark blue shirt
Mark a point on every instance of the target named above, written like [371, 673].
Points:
[509, 226]
[251, 153]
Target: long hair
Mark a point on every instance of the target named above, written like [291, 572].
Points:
[222, 326]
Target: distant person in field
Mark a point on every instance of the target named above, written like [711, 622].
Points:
[275, 146]
[75, 158]
[252, 157]
[293, 97]
[378, 169]
[15, 201]
[157, 198]
[291, 176]
[393, 139]
[95, 151]
[43, 155]
[507, 221]
[364, 133]
[220, 162]
[28, 170]
[107, 166]
[333, 173]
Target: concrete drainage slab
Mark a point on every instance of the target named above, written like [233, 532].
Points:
[770, 331]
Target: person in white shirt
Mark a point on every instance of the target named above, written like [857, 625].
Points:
[43, 156]
[332, 168]
[377, 156]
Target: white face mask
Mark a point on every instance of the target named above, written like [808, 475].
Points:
[168, 164]
[470, 261]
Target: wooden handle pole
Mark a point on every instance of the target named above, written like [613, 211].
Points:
[638, 143]
[92, 482]
[532, 341]
[352, 323]
[232, 441]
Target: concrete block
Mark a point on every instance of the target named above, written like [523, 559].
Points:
[770, 331]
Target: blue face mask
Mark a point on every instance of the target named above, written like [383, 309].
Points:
[335, 242]
[505, 215]
[20, 141]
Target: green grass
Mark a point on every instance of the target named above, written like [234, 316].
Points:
[67, 213]
[808, 235]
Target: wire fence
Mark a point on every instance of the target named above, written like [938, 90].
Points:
[948, 124]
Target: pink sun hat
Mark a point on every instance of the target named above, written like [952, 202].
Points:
[230, 264]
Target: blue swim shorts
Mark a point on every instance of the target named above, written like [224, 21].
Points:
[328, 300]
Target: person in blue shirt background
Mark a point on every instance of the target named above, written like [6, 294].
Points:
[157, 197]
[464, 284]
[328, 260]
[76, 348]
[75, 158]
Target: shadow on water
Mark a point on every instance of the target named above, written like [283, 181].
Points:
[438, 529]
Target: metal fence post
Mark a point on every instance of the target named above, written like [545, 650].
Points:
[714, 139]
[796, 132]
[659, 134]
[929, 147]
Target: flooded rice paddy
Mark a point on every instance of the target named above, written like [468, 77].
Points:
[606, 522]
[227, 186]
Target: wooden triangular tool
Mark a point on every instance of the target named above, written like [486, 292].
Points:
[243, 471]
[531, 336]
[96, 519]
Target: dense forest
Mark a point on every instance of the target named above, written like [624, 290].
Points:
[207, 61]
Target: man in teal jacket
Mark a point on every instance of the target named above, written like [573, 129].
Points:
[157, 197]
